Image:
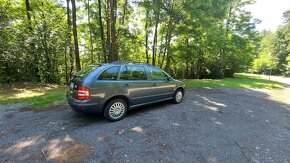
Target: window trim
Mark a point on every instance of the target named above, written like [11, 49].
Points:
[106, 70]
[145, 70]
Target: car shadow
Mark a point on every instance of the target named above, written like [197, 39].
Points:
[149, 107]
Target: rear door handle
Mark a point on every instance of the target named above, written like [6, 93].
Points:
[154, 84]
[126, 85]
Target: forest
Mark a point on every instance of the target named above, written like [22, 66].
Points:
[49, 40]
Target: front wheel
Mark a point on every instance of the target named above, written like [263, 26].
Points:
[115, 110]
[178, 96]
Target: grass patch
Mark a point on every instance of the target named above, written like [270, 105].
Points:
[239, 81]
[36, 94]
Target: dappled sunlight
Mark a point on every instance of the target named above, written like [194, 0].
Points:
[66, 149]
[213, 102]
[38, 148]
[55, 148]
[211, 105]
[213, 108]
[215, 121]
[38, 96]
[104, 138]
[21, 145]
[176, 124]
[219, 123]
[137, 129]
[27, 94]
[20, 87]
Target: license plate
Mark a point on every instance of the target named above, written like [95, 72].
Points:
[71, 86]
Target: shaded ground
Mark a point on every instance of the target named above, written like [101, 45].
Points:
[210, 125]
[282, 95]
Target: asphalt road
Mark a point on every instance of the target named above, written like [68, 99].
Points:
[210, 125]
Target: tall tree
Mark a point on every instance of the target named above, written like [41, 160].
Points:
[69, 43]
[90, 33]
[32, 44]
[146, 35]
[103, 42]
[75, 34]
[113, 40]
[157, 17]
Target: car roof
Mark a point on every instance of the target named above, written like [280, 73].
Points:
[124, 63]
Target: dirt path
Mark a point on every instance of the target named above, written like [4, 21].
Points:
[210, 125]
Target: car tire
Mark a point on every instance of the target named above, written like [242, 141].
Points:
[178, 96]
[115, 110]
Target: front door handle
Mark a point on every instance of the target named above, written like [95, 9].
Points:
[154, 84]
[126, 85]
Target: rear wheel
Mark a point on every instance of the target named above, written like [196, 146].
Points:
[178, 96]
[115, 110]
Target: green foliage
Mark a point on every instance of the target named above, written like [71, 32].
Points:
[36, 53]
[275, 51]
[193, 39]
[266, 61]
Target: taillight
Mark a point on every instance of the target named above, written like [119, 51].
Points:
[83, 93]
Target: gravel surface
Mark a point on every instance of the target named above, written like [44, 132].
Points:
[210, 125]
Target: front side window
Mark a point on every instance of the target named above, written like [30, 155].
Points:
[133, 73]
[110, 73]
[157, 74]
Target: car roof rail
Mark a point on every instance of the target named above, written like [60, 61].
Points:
[122, 62]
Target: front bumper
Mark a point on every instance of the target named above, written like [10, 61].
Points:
[84, 106]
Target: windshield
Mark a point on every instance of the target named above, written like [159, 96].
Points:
[86, 71]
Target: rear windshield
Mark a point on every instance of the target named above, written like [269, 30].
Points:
[86, 71]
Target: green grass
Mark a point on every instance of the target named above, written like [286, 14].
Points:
[239, 81]
[37, 95]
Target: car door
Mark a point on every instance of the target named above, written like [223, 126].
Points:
[133, 81]
[162, 85]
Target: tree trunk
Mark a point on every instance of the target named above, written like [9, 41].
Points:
[70, 50]
[102, 31]
[48, 63]
[155, 38]
[32, 44]
[108, 46]
[124, 12]
[120, 30]
[91, 37]
[113, 15]
[65, 63]
[146, 36]
[168, 41]
[75, 34]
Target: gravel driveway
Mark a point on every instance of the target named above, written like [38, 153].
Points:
[210, 125]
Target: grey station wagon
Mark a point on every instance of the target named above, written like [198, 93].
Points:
[114, 88]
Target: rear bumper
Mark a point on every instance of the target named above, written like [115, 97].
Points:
[84, 106]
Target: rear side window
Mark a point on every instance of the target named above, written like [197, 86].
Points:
[157, 74]
[110, 74]
[86, 71]
[133, 73]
